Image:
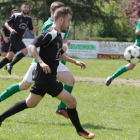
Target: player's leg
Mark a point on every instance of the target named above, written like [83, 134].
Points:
[31, 101]
[7, 59]
[4, 48]
[18, 45]
[71, 103]
[24, 85]
[19, 56]
[120, 71]
[64, 75]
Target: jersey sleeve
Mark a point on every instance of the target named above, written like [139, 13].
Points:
[42, 40]
[30, 25]
[11, 19]
[138, 25]
[3, 28]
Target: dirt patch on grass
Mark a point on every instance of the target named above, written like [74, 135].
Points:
[96, 80]
[115, 81]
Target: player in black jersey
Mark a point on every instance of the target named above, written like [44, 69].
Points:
[50, 43]
[20, 22]
[5, 33]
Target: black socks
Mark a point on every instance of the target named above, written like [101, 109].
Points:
[75, 120]
[17, 107]
[17, 58]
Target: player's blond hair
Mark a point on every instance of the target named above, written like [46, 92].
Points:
[55, 5]
[62, 12]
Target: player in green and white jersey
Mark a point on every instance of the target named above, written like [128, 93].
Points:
[63, 73]
[129, 66]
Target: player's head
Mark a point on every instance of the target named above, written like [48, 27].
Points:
[13, 11]
[25, 8]
[63, 15]
[55, 5]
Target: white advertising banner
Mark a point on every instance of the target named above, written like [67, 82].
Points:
[83, 49]
[107, 49]
[93, 49]
[97, 49]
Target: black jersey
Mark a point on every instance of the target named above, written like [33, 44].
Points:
[50, 43]
[20, 23]
[6, 31]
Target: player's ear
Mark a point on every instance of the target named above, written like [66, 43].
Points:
[51, 12]
[61, 19]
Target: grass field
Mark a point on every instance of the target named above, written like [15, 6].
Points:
[112, 113]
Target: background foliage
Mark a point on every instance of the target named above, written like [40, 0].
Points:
[92, 19]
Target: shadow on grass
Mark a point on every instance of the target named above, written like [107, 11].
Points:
[88, 125]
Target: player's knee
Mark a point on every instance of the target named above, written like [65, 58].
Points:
[31, 104]
[22, 86]
[24, 51]
[70, 81]
[129, 68]
[10, 58]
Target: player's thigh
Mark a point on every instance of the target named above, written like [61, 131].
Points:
[67, 98]
[33, 99]
[66, 77]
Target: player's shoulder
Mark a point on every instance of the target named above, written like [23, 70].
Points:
[17, 14]
[50, 31]
[29, 17]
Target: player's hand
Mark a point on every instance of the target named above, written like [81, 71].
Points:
[36, 28]
[68, 44]
[6, 39]
[45, 68]
[82, 64]
[13, 31]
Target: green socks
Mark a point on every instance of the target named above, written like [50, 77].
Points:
[68, 89]
[9, 92]
[120, 71]
[63, 62]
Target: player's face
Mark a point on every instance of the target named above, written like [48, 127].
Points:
[25, 9]
[66, 23]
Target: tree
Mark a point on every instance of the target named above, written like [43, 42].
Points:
[131, 10]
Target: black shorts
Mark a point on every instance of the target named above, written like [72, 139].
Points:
[16, 43]
[5, 46]
[52, 87]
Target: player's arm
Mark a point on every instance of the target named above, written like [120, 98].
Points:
[8, 22]
[37, 42]
[34, 30]
[9, 28]
[78, 63]
[137, 32]
[4, 37]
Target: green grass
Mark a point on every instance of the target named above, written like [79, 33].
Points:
[112, 113]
